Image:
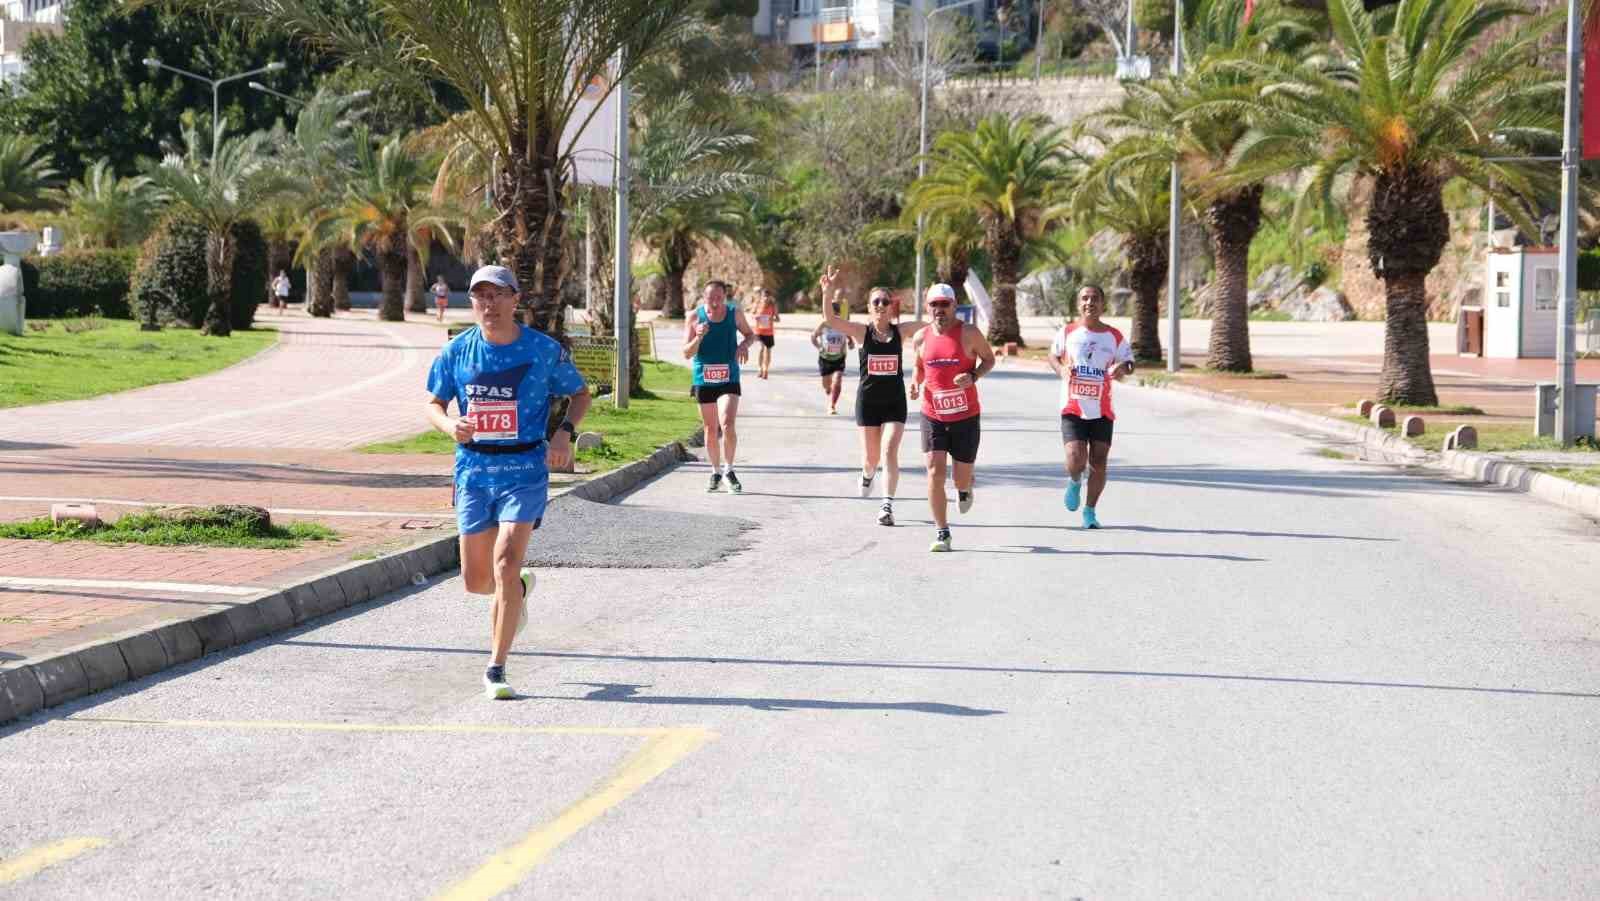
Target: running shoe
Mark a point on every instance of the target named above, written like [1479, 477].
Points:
[716, 483]
[1073, 490]
[1089, 520]
[886, 515]
[733, 483]
[941, 542]
[495, 687]
[964, 501]
[528, 581]
[866, 486]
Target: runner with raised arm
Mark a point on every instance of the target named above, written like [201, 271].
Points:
[1089, 356]
[881, 392]
[831, 345]
[501, 376]
[711, 340]
[951, 357]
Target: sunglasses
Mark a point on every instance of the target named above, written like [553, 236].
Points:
[882, 302]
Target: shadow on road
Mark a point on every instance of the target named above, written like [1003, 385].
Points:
[623, 693]
[1042, 549]
[1309, 483]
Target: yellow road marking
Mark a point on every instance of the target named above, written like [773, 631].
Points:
[666, 746]
[35, 859]
[509, 867]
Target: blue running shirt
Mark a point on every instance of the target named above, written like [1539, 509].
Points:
[507, 388]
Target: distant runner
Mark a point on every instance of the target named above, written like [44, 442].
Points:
[831, 345]
[711, 341]
[881, 392]
[951, 357]
[280, 293]
[501, 376]
[441, 295]
[766, 315]
[1089, 356]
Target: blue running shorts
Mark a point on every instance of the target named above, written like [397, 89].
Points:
[480, 508]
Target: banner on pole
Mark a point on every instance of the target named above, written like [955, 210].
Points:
[1589, 113]
[980, 299]
[592, 146]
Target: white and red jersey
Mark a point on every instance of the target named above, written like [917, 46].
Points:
[1089, 356]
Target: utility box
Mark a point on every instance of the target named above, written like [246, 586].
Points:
[1545, 409]
[1521, 292]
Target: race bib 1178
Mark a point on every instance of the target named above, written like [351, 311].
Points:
[493, 420]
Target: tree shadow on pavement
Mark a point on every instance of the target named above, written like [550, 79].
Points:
[1154, 530]
[624, 693]
[1310, 483]
[1042, 549]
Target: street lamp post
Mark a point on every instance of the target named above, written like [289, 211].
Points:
[922, 137]
[1567, 306]
[258, 86]
[216, 84]
[1175, 215]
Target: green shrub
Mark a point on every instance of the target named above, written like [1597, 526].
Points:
[79, 283]
[1588, 271]
[172, 273]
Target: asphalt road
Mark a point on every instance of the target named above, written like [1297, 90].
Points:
[1272, 675]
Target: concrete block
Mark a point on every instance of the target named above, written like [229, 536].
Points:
[589, 441]
[432, 559]
[103, 666]
[143, 654]
[1011, 348]
[1413, 426]
[80, 513]
[215, 632]
[62, 679]
[1382, 417]
[276, 612]
[1364, 408]
[329, 595]
[20, 693]
[1466, 438]
[354, 585]
[181, 641]
[247, 622]
[394, 573]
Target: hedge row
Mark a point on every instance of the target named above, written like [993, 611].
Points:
[79, 283]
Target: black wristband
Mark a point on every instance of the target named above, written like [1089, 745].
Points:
[569, 428]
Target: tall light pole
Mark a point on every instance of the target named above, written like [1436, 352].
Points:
[623, 316]
[1567, 305]
[216, 83]
[1175, 214]
[1038, 43]
[258, 86]
[922, 136]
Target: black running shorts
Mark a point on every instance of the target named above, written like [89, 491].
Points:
[708, 394]
[959, 438]
[881, 408]
[766, 340]
[1076, 428]
[829, 367]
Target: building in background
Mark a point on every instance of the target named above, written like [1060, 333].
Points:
[831, 28]
[20, 20]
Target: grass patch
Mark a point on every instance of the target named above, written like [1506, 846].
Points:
[199, 527]
[1444, 410]
[1155, 379]
[1583, 475]
[1260, 374]
[74, 359]
[665, 413]
[1331, 454]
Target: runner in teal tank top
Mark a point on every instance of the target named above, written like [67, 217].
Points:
[710, 336]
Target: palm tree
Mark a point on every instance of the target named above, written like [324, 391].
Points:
[1420, 106]
[26, 176]
[1134, 201]
[109, 211]
[521, 67]
[383, 209]
[319, 155]
[1196, 122]
[219, 191]
[1008, 173]
[953, 236]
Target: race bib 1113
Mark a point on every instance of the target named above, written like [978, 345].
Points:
[883, 364]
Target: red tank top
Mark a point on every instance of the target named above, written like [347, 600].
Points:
[944, 357]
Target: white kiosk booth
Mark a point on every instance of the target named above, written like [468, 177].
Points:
[1519, 302]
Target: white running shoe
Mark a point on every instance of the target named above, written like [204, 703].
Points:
[866, 485]
[964, 500]
[941, 542]
[886, 515]
[495, 687]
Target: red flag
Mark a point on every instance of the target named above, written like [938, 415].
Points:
[1249, 10]
[1589, 114]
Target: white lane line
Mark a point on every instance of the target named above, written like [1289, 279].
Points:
[180, 587]
[289, 511]
[402, 369]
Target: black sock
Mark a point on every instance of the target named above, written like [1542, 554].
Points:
[496, 672]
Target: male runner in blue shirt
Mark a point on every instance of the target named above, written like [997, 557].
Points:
[501, 376]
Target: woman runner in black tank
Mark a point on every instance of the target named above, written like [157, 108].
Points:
[881, 395]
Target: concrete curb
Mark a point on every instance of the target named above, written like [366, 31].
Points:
[27, 686]
[1479, 467]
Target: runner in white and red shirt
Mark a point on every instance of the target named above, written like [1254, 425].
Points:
[1090, 357]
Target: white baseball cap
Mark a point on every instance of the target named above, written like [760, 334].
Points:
[941, 290]
[494, 275]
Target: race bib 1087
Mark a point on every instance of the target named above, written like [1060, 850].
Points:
[493, 420]
[715, 373]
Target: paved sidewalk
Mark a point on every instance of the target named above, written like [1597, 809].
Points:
[276, 431]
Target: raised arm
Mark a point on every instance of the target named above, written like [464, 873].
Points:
[855, 331]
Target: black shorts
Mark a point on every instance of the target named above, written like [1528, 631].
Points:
[1076, 428]
[708, 394]
[766, 340]
[959, 438]
[829, 367]
[874, 409]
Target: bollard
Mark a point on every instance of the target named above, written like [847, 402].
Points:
[1363, 408]
[82, 514]
[1382, 417]
[1413, 426]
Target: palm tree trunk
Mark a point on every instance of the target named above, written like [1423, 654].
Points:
[1005, 253]
[319, 284]
[414, 292]
[392, 272]
[219, 283]
[1233, 221]
[528, 193]
[344, 262]
[952, 270]
[674, 307]
[1147, 257]
[1407, 378]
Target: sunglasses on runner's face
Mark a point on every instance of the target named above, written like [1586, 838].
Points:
[882, 302]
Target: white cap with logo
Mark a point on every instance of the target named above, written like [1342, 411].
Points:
[494, 275]
[941, 290]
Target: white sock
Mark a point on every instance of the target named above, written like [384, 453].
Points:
[1076, 481]
[727, 468]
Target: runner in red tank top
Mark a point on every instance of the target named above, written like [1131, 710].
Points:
[950, 359]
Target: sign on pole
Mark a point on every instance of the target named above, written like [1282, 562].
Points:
[591, 134]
